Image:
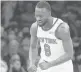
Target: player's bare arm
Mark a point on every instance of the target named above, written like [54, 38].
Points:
[63, 33]
[33, 52]
[33, 43]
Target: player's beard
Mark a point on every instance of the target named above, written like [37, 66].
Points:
[41, 25]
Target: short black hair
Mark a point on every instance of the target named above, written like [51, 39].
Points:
[44, 4]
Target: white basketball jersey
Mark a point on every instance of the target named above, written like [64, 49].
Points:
[51, 46]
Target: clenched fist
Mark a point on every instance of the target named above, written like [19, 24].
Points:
[45, 65]
[32, 69]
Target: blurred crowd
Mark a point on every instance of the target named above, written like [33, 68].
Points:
[16, 20]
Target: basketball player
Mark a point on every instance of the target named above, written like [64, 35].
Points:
[55, 41]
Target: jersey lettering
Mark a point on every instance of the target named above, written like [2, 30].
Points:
[48, 40]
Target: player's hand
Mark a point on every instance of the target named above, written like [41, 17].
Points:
[45, 65]
[32, 69]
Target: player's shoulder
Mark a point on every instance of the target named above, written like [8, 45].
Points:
[63, 27]
[33, 28]
[58, 20]
[62, 31]
[34, 25]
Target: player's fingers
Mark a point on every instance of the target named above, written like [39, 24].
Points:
[32, 69]
[41, 66]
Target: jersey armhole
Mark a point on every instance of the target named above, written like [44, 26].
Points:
[56, 33]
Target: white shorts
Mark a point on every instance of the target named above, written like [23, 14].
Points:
[64, 67]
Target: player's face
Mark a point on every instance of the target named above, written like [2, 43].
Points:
[41, 15]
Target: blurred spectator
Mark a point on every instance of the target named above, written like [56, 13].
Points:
[71, 15]
[78, 49]
[4, 48]
[3, 64]
[13, 49]
[25, 44]
[76, 7]
[13, 23]
[3, 33]
[78, 26]
[77, 39]
[27, 17]
[58, 7]
[12, 31]
[23, 33]
[13, 26]
[70, 18]
[77, 45]
[20, 36]
[76, 42]
[12, 36]
[15, 64]
[3, 43]
[26, 30]
[20, 6]
[8, 9]
[79, 62]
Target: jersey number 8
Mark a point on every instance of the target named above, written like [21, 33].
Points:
[47, 50]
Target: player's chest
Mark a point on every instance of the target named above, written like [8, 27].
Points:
[47, 37]
[46, 34]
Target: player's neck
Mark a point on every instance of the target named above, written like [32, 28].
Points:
[49, 24]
